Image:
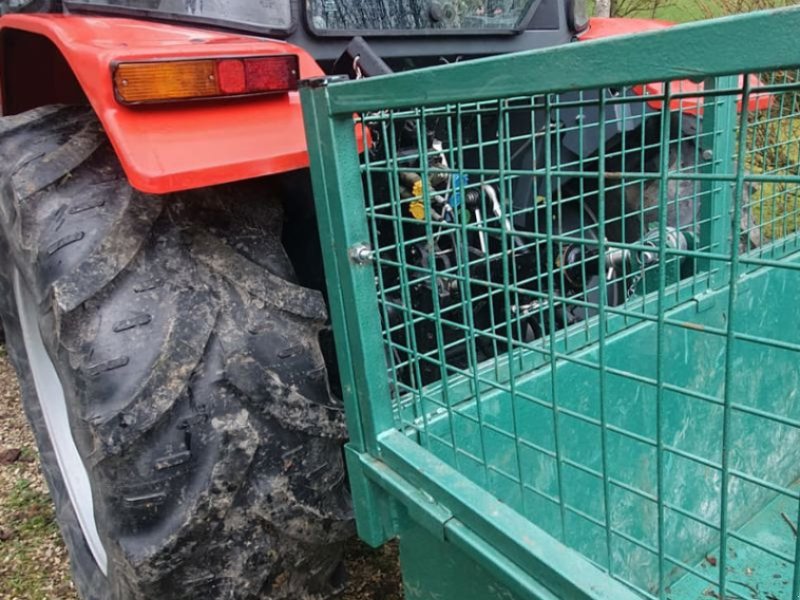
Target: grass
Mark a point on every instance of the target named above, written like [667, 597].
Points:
[30, 533]
[33, 563]
[774, 148]
[682, 11]
[30, 513]
[679, 11]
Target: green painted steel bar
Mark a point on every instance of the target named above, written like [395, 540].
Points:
[727, 177]
[732, 322]
[551, 317]
[463, 258]
[432, 271]
[441, 523]
[505, 201]
[796, 570]
[601, 339]
[719, 127]
[405, 284]
[561, 570]
[661, 311]
[325, 182]
[339, 196]
[712, 48]
[515, 577]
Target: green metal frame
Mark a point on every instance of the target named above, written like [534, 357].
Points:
[401, 487]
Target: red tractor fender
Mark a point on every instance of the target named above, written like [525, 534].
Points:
[600, 28]
[161, 148]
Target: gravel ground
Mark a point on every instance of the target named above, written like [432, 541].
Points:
[33, 560]
[33, 563]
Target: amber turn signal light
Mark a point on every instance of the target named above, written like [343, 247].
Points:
[147, 82]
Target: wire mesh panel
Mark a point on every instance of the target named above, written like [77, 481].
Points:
[587, 306]
[772, 149]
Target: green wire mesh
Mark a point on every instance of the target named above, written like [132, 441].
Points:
[588, 308]
[772, 149]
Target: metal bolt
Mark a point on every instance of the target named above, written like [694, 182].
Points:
[708, 154]
[361, 254]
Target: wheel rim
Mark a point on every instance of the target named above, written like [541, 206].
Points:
[50, 394]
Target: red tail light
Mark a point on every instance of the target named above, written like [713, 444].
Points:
[148, 82]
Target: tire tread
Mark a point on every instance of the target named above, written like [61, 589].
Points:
[192, 368]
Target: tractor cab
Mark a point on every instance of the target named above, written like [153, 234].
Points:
[397, 29]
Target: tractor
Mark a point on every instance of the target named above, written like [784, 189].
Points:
[162, 290]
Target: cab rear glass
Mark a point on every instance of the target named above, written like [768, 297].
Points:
[418, 16]
[254, 15]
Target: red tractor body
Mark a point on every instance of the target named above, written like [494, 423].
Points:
[169, 147]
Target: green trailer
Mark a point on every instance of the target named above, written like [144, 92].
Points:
[607, 404]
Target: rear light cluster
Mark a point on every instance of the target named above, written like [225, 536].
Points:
[145, 82]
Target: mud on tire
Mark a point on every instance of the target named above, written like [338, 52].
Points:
[196, 389]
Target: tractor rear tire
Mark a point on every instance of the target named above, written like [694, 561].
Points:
[185, 362]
